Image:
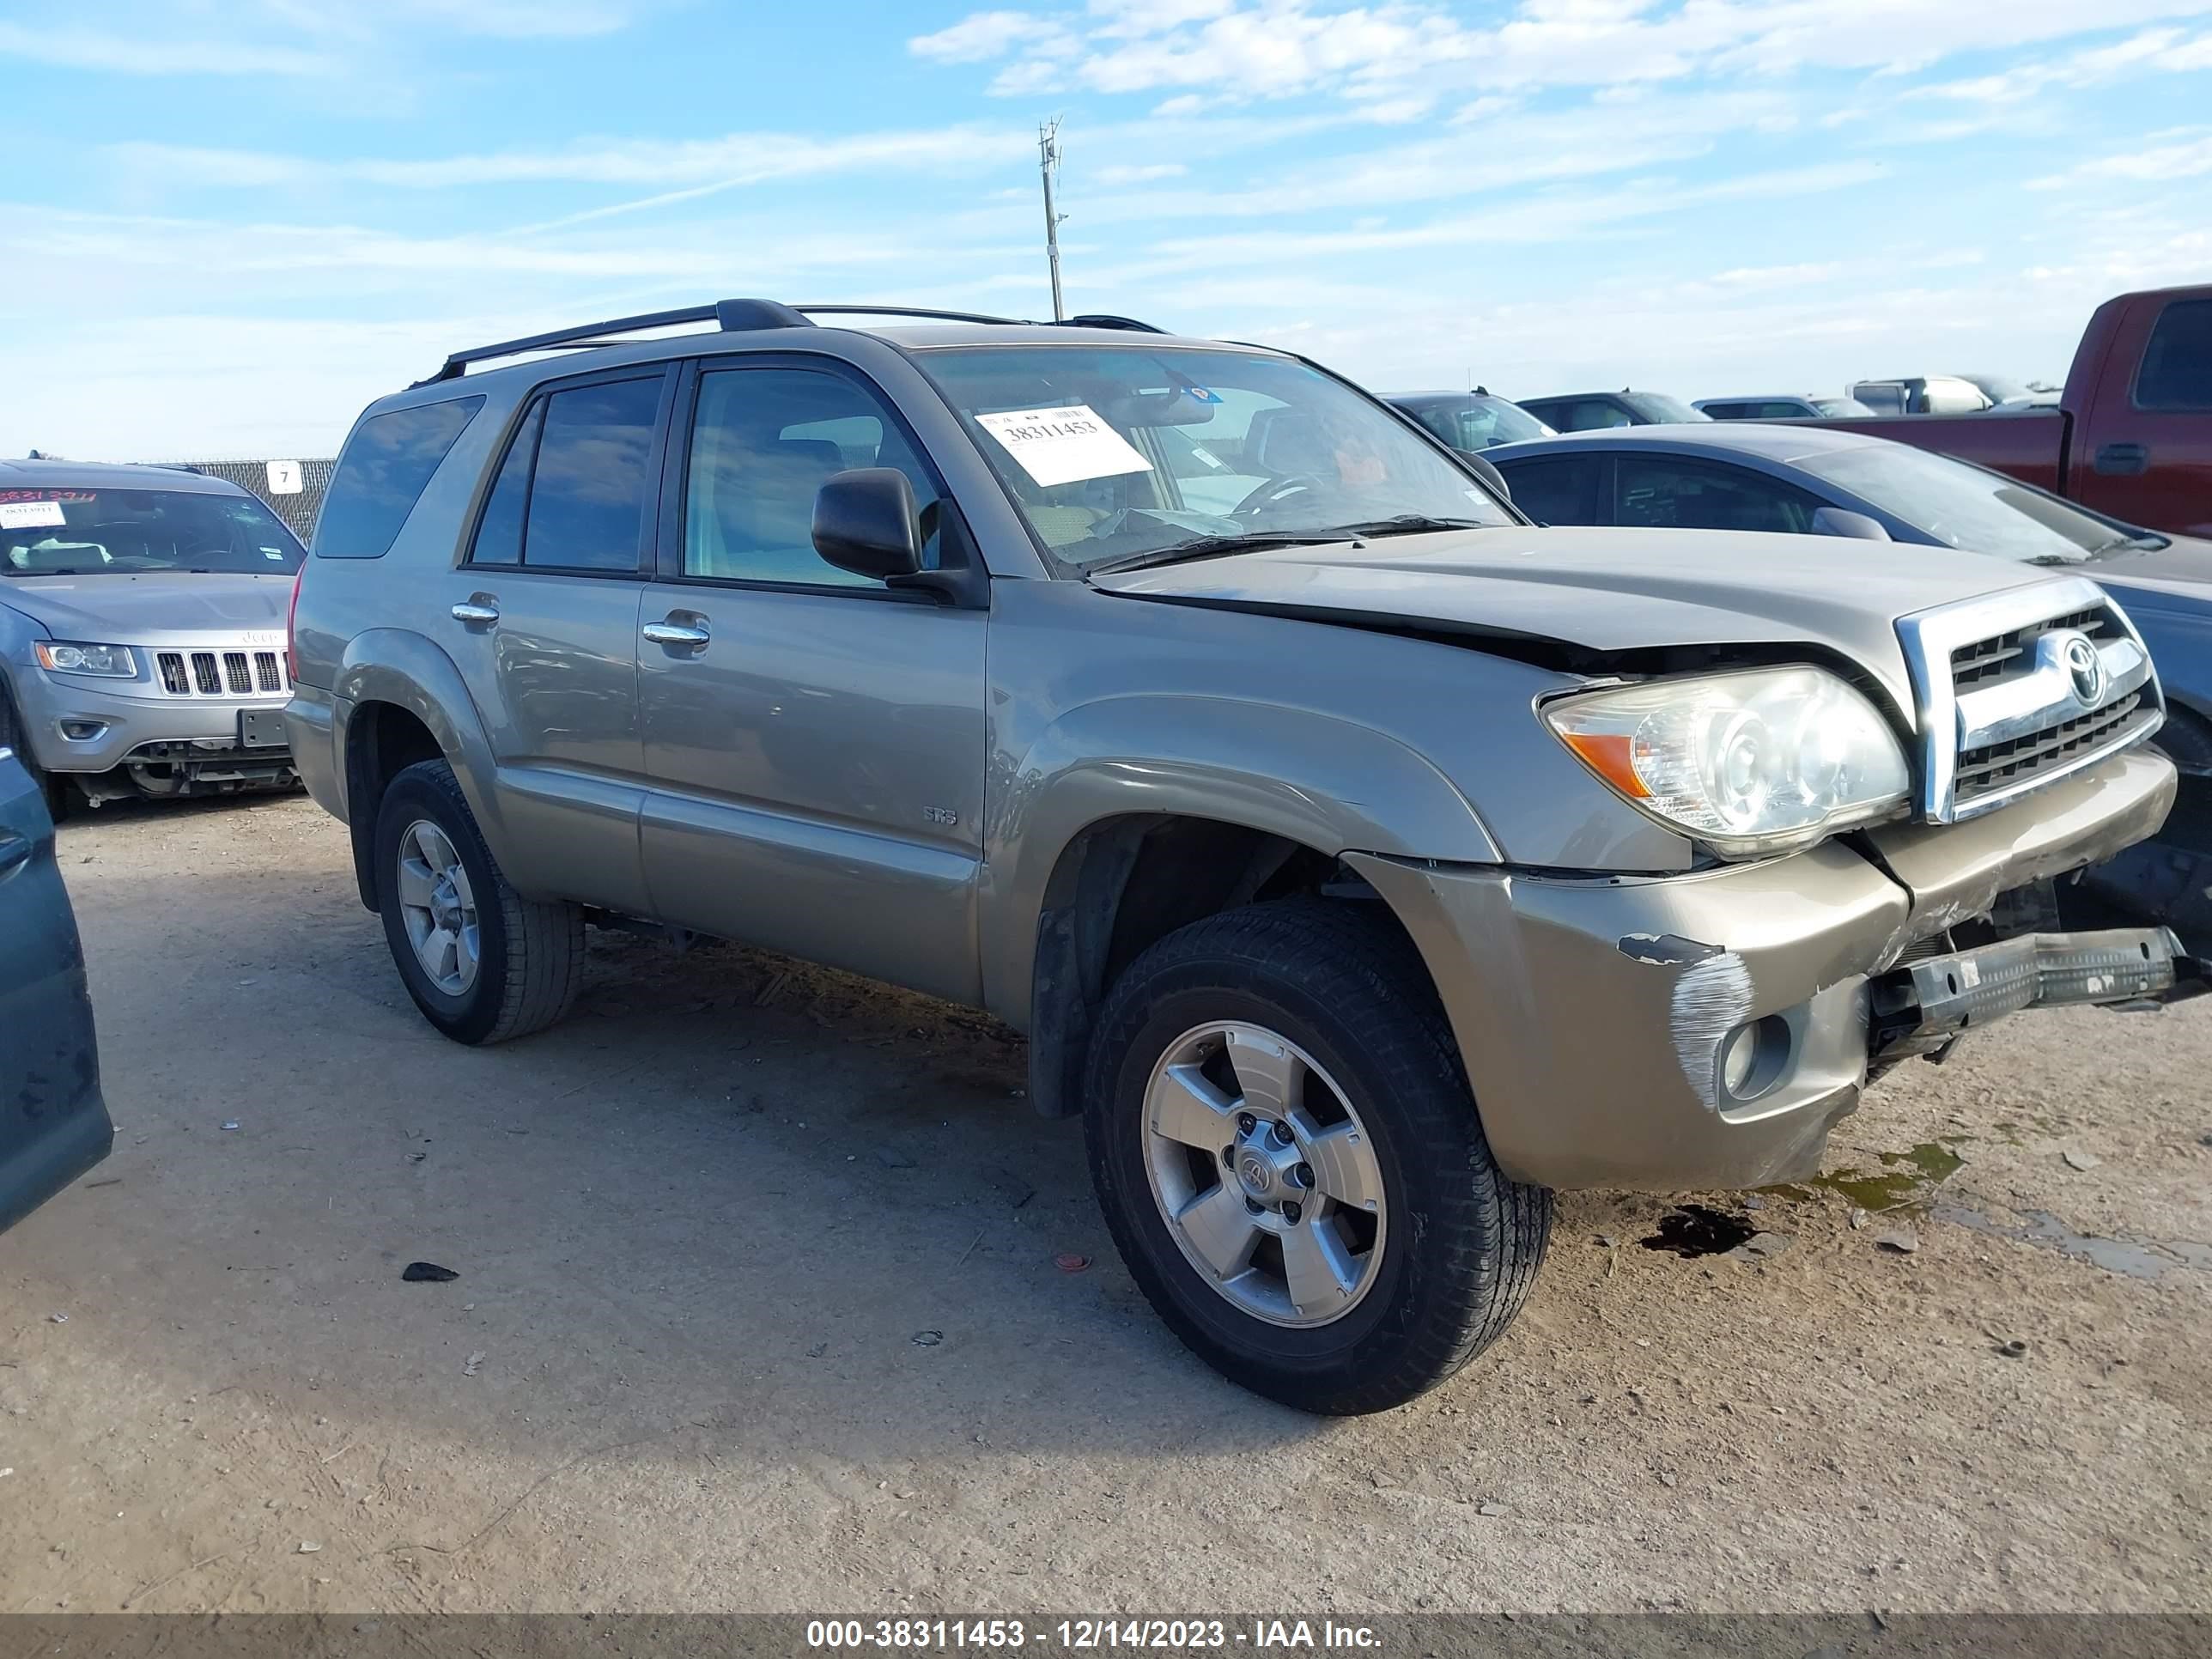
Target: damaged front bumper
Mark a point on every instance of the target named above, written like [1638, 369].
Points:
[1707, 1030]
[1923, 1008]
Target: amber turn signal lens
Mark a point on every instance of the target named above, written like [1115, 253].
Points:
[1608, 755]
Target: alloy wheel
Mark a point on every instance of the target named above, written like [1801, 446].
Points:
[1264, 1174]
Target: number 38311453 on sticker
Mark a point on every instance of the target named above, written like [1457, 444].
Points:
[1063, 445]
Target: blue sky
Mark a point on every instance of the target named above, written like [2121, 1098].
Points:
[226, 226]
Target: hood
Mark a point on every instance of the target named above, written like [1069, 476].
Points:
[2176, 577]
[1606, 591]
[164, 609]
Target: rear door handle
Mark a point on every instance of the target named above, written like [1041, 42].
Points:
[2123, 460]
[15, 852]
[692, 636]
[477, 611]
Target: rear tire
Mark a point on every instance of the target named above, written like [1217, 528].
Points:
[1427, 1276]
[505, 966]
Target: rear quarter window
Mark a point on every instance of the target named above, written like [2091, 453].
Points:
[2177, 361]
[1557, 489]
[386, 466]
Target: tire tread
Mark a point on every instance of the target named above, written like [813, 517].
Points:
[543, 968]
[1489, 1233]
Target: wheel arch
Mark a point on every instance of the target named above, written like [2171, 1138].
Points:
[1116, 794]
[1127, 881]
[400, 700]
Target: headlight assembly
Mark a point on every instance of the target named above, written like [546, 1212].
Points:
[108, 661]
[1748, 763]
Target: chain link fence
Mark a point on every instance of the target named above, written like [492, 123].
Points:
[297, 507]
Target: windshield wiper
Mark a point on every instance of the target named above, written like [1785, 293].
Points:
[1414, 524]
[2131, 545]
[1215, 547]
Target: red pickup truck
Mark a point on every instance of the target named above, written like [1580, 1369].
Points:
[2131, 437]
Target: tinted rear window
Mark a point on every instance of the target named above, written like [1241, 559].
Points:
[2176, 365]
[1555, 489]
[593, 490]
[386, 465]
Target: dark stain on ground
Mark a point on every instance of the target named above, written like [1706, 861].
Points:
[1697, 1230]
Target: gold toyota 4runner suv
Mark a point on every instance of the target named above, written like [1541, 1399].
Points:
[1362, 861]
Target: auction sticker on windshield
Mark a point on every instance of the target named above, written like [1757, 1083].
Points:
[30, 515]
[1063, 445]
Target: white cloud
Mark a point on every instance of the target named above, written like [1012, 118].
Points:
[511, 19]
[1123, 18]
[737, 158]
[1531, 221]
[2155, 163]
[1275, 48]
[1125, 174]
[983, 35]
[515, 20]
[139, 54]
[2161, 49]
[1507, 149]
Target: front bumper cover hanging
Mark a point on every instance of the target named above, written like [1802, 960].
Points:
[1923, 1006]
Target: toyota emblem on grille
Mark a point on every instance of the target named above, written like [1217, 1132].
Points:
[2085, 668]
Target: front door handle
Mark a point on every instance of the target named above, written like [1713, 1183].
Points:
[477, 611]
[15, 852]
[693, 636]
[2123, 460]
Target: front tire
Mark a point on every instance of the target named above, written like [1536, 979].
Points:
[483, 963]
[1287, 1154]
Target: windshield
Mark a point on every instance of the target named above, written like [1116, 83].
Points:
[1965, 507]
[1660, 410]
[1112, 452]
[88, 532]
[1841, 407]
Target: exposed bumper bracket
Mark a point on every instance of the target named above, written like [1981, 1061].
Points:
[1922, 1006]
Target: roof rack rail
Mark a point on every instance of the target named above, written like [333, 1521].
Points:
[730, 315]
[1089, 319]
[1106, 319]
[910, 311]
[725, 314]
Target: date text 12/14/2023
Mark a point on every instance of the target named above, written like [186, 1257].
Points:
[1255, 1635]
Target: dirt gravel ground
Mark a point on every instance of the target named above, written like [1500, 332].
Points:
[758, 1309]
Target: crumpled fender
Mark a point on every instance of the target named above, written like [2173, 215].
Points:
[1331, 785]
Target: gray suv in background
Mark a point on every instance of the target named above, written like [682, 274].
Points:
[141, 631]
[1362, 862]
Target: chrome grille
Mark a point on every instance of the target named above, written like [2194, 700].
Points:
[220, 673]
[2009, 700]
[1994, 766]
[2006, 655]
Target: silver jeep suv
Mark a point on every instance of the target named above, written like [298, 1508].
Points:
[141, 631]
[1362, 862]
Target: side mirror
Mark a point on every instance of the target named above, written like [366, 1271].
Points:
[1486, 470]
[1842, 521]
[864, 522]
